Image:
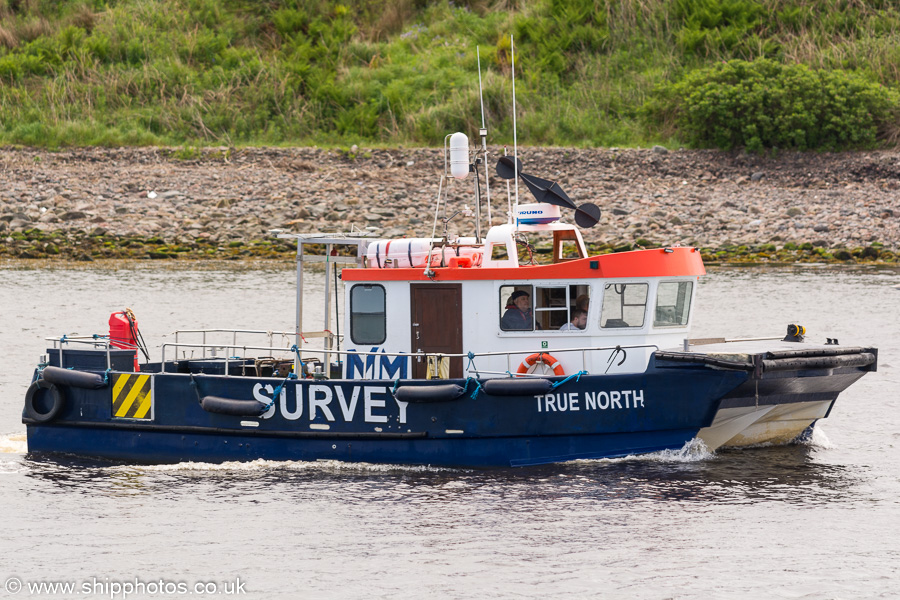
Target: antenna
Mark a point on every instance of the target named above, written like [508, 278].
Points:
[483, 133]
[509, 212]
[512, 55]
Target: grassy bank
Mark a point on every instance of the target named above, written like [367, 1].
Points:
[589, 72]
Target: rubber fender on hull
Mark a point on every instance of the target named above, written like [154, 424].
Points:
[703, 359]
[37, 409]
[819, 362]
[429, 393]
[517, 387]
[79, 379]
[230, 406]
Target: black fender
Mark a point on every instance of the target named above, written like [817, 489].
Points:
[71, 377]
[519, 386]
[429, 393]
[39, 410]
[230, 406]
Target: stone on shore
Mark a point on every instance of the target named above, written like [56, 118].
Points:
[94, 202]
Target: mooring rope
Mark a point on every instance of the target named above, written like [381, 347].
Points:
[296, 351]
[277, 393]
[577, 376]
[474, 394]
[471, 364]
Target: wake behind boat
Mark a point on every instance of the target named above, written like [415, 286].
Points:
[506, 349]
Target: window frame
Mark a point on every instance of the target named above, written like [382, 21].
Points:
[622, 305]
[515, 287]
[689, 299]
[383, 314]
[550, 309]
[571, 296]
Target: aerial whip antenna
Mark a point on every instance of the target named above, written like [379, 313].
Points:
[544, 190]
[483, 133]
[509, 211]
[512, 55]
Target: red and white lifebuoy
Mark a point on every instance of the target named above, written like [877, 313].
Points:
[542, 357]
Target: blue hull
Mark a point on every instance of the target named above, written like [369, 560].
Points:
[365, 421]
[215, 447]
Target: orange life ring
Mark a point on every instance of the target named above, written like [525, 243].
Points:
[545, 358]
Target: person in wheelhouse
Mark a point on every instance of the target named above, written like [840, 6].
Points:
[518, 315]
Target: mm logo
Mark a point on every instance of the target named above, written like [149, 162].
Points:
[132, 396]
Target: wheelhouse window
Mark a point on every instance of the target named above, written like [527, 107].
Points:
[367, 314]
[516, 313]
[551, 307]
[546, 308]
[624, 305]
[673, 303]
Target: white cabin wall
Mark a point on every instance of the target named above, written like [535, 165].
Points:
[481, 330]
[398, 317]
[481, 333]
[397, 328]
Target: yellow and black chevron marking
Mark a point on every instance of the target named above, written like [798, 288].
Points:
[132, 396]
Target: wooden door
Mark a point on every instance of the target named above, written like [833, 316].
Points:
[436, 326]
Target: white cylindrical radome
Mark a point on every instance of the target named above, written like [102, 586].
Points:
[459, 155]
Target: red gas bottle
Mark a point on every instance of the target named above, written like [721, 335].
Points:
[123, 331]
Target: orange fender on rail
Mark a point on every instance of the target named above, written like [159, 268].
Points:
[545, 358]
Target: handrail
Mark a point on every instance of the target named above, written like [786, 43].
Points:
[508, 354]
[413, 354]
[103, 341]
[94, 340]
[271, 334]
[256, 331]
[265, 331]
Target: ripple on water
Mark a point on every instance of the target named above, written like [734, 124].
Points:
[13, 443]
[11, 466]
[261, 465]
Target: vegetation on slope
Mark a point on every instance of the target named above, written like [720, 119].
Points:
[727, 73]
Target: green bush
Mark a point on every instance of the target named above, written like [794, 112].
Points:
[765, 104]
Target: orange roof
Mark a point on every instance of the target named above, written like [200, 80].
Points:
[669, 262]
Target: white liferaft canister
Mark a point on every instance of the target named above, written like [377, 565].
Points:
[398, 254]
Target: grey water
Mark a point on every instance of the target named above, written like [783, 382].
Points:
[815, 520]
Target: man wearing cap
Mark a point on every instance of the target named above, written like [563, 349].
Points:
[518, 315]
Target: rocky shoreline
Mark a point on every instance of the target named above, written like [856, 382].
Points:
[158, 203]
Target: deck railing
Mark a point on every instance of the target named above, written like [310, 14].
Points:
[97, 341]
[237, 351]
[325, 335]
[232, 354]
